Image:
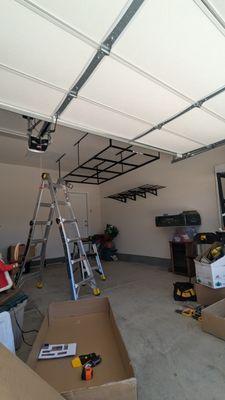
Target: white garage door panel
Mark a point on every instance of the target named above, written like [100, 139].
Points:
[121, 88]
[92, 116]
[168, 141]
[27, 94]
[175, 42]
[39, 48]
[91, 17]
[219, 6]
[217, 104]
[200, 126]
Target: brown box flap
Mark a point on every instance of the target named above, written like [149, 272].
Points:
[66, 309]
[19, 382]
[207, 296]
[213, 319]
[216, 309]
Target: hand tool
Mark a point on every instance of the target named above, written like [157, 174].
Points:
[87, 373]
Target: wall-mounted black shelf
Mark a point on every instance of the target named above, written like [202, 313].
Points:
[132, 194]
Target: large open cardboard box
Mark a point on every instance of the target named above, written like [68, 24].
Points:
[91, 324]
[207, 296]
[213, 319]
[19, 382]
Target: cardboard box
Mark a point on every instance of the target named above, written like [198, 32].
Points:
[213, 319]
[207, 296]
[18, 381]
[91, 324]
[212, 275]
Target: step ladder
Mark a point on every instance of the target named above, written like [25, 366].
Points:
[54, 206]
[92, 252]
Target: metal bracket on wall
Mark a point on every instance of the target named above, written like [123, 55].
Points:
[132, 194]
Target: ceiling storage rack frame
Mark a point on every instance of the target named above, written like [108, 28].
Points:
[107, 164]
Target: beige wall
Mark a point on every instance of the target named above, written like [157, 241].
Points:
[19, 188]
[189, 185]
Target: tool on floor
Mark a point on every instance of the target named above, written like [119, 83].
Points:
[193, 312]
[86, 275]
[87, 373]
[91, 359]
[87, 362]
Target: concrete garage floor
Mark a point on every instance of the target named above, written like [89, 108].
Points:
[173, 359]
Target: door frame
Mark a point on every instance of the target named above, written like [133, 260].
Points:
[219, 168]
[72, 192]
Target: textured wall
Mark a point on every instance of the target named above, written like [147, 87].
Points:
[19, 188]
[189, 185]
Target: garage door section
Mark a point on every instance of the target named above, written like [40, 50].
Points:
[147, 72]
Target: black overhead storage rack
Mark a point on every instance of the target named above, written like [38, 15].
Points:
[109, 163]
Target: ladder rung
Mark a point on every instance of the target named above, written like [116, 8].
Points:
[45, 204]
[36, 241]
[29, 276]
[68, 221]
[91, 254]
[35, 257]
[81, 283]
[78, 260]
[69, 240]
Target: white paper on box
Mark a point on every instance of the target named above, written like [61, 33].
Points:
[212, 275]
[50, 351]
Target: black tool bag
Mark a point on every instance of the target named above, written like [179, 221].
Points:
[184, 291]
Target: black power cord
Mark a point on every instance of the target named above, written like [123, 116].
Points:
[24, 332]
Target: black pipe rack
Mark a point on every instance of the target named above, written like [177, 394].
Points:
[132, 194]
[109, 163]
